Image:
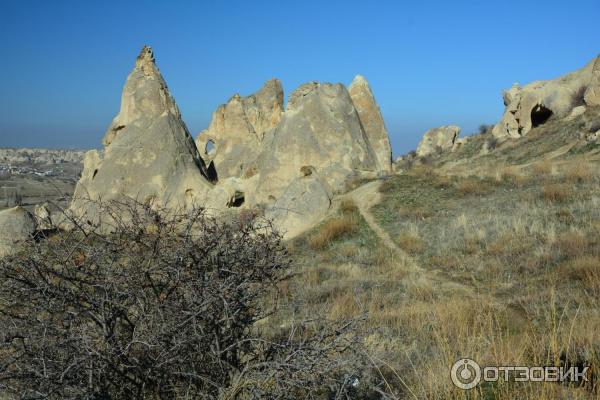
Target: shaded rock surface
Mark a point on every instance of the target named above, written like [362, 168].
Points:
[372, 121]
[304, 204]
[319, 129]
[533, 104]
[149, 154]
[238, 128]
[16, 226]
[438, 140]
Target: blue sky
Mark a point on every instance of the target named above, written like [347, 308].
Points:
[429, 63]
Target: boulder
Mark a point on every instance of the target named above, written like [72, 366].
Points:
[438, 140]
[592, 92]
[532, 105]
[320, 128]
[303, 204]
[17, 225]
[372, 121]
[42, 216]
[233, 139]
[149, 154]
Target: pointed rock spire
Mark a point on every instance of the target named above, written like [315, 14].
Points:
[149, 154]
[372, 121]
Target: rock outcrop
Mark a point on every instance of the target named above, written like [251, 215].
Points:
[16, 226]
[149, 154]
[233, 139]
[303, 204]
[438, 140]
[372, 121]
[289, 163]
[320, 129]
[532, 105]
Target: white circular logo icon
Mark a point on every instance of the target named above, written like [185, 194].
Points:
[465, 374]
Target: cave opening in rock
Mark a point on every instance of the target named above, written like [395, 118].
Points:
[539, 115]
[237, 200]
[211, 171]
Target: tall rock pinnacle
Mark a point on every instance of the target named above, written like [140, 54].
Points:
[149, 154]
[372, 121]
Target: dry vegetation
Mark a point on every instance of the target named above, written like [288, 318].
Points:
[503, 269]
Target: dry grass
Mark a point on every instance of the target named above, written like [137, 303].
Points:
[543, 168]
[418, 213]
[556, 192]
[348, 206]
[386, 186]
[410, 242]
[578, 172]
[572, 244]
[584, 268]
[331, 230]
[344, 306]
[472, 187]
[513, 176]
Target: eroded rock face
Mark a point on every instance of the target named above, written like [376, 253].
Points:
[438, 140]
[303, 204]
[16, 226]
[149, 154]
[532, 105]
[238, 128]
[320, 129]
[372, 121]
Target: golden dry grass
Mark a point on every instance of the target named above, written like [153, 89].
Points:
[410, 242]
[331, 230]
[556, 192]
[468, 187]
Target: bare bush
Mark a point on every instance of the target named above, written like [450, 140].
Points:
[164, 306]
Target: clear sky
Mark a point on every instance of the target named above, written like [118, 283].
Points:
[429, 63]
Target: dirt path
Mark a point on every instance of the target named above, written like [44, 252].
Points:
[366, 197]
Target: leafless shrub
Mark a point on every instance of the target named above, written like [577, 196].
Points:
[164, 306]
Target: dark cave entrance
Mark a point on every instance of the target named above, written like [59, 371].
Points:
[237, 200]
[539, 115]
[211, 171]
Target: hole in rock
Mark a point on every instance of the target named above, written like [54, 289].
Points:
[540, 115]
[237, 200]
[210, 147]
[95, 172]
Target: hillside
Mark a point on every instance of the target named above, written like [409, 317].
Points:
[493, 256]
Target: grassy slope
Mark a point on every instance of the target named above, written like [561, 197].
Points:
[508, 247]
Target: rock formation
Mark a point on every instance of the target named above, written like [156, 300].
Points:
[319, 129]
[372, 121]
[291, 163]
[16, 225]
[42, 216]
[532, 105]
[288, 163]
[237, 130]
[438, 140]
[303, 204]
[149, 154]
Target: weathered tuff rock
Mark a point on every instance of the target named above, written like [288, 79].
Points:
[237, 130]
[438, 140]
[42, 216]
[149, 154]
[320, 129]
[372, 121]
[531, 105]
[304, 204]
[16, 226]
